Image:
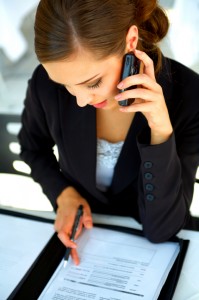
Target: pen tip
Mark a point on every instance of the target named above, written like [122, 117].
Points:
[65, 263]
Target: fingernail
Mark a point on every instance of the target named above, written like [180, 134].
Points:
[120, 85]
[89, 225]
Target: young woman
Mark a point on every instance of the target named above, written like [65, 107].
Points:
[138, 160]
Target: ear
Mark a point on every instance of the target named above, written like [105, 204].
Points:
[132, 38]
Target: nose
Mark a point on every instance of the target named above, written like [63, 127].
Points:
[84, 99]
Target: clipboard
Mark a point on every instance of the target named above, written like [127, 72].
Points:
[38, 275]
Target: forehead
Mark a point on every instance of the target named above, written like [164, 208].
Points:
[81, 67]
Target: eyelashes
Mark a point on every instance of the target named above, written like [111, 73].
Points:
[96, 85]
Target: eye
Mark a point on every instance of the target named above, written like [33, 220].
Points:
[96, 85]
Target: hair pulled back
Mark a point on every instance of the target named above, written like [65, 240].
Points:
[100, 26]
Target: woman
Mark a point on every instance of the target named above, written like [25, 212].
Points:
[138, 160]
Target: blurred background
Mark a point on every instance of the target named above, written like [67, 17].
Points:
[18, 60]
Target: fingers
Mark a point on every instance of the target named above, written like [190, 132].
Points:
[87, 217]
[65, 239]
[147, 90]
[74, 256]
[138, 80]
[63, 221]
[73, 252]
[145, 78]
[138, 93]
[68, 203]
[64, 233]
[64, 224]
[147, 63]
[149, 99]
[138, 107]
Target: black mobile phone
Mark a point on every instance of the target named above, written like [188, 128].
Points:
[131, 66]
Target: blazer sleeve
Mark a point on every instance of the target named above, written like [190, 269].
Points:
[162, 205]
[37, 143]
[167, 172]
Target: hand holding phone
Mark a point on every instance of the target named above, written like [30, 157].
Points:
[131, 66]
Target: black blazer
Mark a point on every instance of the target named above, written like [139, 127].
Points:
[152, 183]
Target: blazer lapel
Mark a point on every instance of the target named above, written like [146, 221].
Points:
[78, 126]
[79, 137]
[127, 167]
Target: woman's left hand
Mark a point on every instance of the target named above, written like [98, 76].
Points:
[149, 99]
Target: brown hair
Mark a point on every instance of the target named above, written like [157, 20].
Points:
[61, 26]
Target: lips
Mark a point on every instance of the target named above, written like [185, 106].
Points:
[101, 104]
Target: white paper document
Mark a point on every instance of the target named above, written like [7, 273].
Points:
[21, 241]
[114, 266]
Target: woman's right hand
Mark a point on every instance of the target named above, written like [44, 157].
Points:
[68, 203]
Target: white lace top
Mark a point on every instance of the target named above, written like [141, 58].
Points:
[107, 156]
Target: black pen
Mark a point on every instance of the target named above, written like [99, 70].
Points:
[74, 230]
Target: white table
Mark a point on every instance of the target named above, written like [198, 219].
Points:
[18, 191]
[21, 192]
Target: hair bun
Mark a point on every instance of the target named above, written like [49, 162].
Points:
[153, 26]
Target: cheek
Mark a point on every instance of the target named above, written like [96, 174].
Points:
[108, 91]
[113, 85]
